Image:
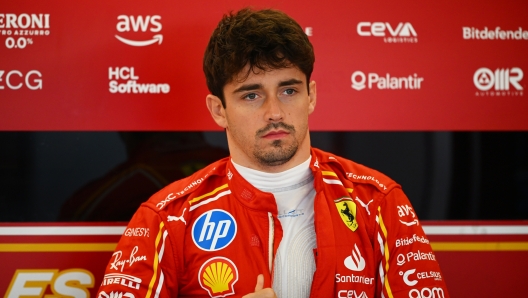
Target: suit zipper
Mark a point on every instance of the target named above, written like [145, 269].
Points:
[270, 241]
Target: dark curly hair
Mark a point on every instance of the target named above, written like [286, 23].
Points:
[264, 40]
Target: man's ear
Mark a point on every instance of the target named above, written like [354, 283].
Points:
[312, 96]
[215, 107]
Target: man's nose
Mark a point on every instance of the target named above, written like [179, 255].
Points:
[273, 109]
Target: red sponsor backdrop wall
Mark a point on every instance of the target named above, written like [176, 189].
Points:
[380, 65]
[478, 259]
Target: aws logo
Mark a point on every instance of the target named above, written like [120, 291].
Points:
[218, 276]
[139, 24]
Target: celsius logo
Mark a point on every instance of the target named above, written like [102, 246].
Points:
[406, 280]
[402, 33]
[23, 25]
[214, 230]
[500, 81]
[359, 81]
[14, 80]
[139, 24]
[420, 275]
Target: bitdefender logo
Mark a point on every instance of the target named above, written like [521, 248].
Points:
[501, 82]
[497, 33]
[138, 25]
[375, 81]
[400, 33]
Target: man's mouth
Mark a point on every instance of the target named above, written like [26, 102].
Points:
[275, 131]
[276, 134]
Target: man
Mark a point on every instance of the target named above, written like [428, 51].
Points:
[277, 218]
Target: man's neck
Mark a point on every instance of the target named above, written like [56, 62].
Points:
[271, 182]
[241, 158]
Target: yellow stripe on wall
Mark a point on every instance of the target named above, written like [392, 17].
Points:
[479, 246]
[95, 247]
[56, 247]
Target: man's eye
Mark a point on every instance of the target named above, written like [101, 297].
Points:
[289, 91]
[251, 96]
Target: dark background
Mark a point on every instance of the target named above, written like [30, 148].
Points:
[446, 175]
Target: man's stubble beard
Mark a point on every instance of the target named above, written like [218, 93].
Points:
[280, 153]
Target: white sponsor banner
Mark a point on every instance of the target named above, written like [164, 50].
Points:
[119, 230]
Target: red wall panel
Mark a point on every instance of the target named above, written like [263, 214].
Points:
[136, 65]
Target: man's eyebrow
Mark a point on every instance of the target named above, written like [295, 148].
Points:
[247, 87]
[250, 87]
[290, 82]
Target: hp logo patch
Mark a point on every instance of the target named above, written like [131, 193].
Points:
[214, 230]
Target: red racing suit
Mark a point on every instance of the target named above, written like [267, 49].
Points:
[212, 233]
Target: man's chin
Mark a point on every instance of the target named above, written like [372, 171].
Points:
[277, 144]
[278, 155]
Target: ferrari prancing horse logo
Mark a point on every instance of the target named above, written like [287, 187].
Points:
[347, 210]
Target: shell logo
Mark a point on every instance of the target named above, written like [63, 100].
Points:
[218, 276]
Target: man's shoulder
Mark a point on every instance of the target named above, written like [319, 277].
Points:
[179, 191]
[355, 172]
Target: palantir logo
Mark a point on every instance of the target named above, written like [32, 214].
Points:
[500, 81]
[361, 81]
[402, 33]
[214, 230]
[139, 24]
[358, 84]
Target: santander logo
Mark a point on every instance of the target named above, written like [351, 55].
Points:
[355, 262]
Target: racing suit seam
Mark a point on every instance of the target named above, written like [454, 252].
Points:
[174, 255]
